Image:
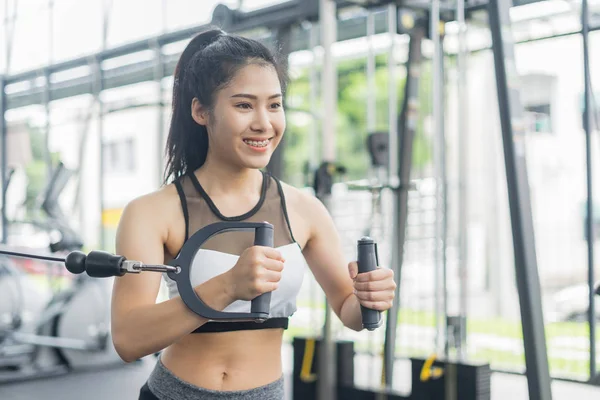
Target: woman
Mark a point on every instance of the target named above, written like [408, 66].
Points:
[227, 121]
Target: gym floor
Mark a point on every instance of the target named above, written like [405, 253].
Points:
[123, 383]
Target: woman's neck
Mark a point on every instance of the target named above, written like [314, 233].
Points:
[218, 178]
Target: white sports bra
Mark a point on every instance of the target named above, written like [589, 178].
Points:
[221, 252]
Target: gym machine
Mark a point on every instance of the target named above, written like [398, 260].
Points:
[101, 264]
[431, 378]
[46, 333]
[297, 10]
[447, 378]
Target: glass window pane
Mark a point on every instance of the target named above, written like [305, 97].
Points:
[71, 120]
[183, 13]
[131, 154]
[23, 123]
[77, 28]
[144, 92]
[134, 20]
[3, 36]
[29, 6]
[30, 44]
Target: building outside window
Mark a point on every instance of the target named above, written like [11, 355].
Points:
[119, 156]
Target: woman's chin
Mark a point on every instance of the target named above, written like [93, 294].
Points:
[256, 162]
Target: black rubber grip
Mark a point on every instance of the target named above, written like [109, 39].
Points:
[262, 237]
[75, 262]
[368, 261]
[100, 264]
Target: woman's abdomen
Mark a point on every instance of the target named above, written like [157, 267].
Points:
[237, 360]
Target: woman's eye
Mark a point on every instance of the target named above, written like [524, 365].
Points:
[244, 106]
[275, 105]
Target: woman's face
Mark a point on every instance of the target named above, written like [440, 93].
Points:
[248, 120]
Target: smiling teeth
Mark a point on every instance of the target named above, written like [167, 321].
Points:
[263, 143]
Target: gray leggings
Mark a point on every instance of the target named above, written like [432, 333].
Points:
[163, 385]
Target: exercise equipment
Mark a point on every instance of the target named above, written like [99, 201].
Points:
[46, 331]
[72, 330]
[102, 264]
[69, 330]
[378, 146]
[69, 239]
[64, 352]
[324, 177]
[367, 260]
[430, 376]
[308, 363]
[71, 333]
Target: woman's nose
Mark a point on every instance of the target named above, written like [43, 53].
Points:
[261, 121]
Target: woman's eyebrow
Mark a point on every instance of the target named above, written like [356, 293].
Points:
[253, 97]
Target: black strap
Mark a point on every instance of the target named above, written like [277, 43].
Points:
[219, 326]
[283, 207]
[183, 201]
[215, 210]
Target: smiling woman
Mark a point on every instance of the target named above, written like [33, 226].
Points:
[234, 87]
[248, 116]
[227, 120]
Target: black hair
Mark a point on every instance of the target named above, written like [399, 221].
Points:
[208, 63]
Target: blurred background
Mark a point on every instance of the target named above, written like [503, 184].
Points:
[86, 106]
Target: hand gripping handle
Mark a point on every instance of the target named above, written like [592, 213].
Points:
[262, 237]
[260, 306]
[368, 261]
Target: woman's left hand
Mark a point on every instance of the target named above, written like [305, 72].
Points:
[374, 289]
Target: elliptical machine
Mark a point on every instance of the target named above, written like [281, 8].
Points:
[43, 333]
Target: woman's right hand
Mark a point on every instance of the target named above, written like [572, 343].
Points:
[257, 271]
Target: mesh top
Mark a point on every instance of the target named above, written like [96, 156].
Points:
[220, 252]
[202, 212]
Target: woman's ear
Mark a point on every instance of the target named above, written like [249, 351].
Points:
[199, 112]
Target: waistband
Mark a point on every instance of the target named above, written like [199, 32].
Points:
[166, 386]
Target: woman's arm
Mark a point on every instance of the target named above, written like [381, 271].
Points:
[344, 289]
[140, 326]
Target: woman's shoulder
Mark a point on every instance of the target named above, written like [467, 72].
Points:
[301, 200]
[159, 204]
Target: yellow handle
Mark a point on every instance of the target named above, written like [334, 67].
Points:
[307, 360]
[429, 372]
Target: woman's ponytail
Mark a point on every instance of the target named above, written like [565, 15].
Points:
[187, 143]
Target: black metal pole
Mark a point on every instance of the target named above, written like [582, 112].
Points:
[528, 284]
[3, 161]
[407, 124]
[587, 126]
